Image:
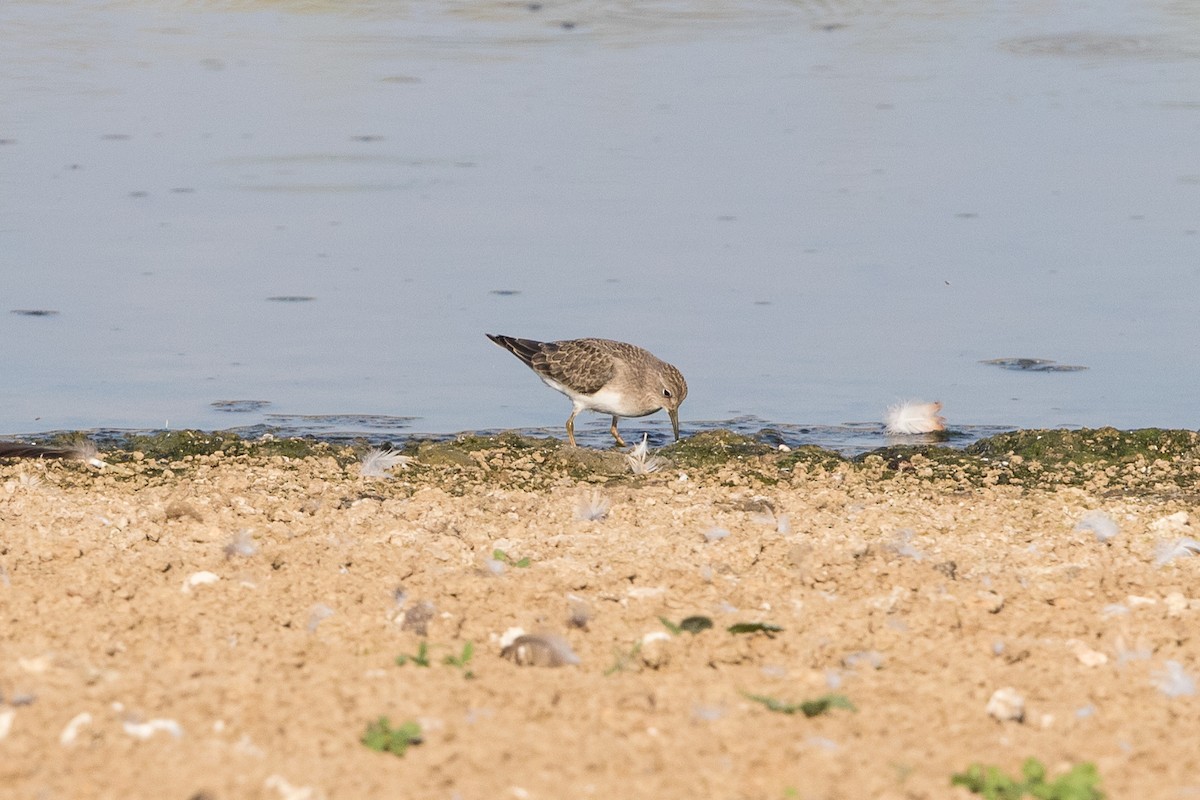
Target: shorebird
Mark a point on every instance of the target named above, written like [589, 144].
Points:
[602, 375]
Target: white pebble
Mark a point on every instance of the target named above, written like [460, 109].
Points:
[6, 720]
[510, 636]
[144, 730]
[1086, 655]
[655, 651]
[199, 579]
[289, 792]
[1006, 705]
[1173, 522]
[656, 636]
[1176, 604]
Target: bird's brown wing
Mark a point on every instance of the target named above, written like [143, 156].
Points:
[578, 364]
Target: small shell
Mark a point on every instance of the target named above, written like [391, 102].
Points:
[655, 650]
[540, 650]
[202, 578]
[144, 730]
[71, 732]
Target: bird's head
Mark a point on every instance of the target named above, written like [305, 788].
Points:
[672, 391]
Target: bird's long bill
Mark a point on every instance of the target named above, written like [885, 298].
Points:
[674, 412]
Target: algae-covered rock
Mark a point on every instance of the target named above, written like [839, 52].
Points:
[445, 454]
[896, 456]
[711, 448]
[1088, 445]
[178, 445]
[812, 456]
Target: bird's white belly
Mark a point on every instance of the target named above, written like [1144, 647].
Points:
[606, 401]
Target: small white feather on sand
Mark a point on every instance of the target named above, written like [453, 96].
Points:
[914, 417]
[640, 461]
[378, 463]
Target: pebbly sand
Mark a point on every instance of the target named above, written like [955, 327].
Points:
[912, 587]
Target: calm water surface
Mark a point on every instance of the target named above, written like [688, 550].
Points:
[814, 209]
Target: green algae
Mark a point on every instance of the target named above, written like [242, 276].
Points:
[1105, 460]
[712, 448]
[1088, 445]
[179, 445]
[810, 456]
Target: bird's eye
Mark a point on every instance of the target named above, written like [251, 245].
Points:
[667, 393]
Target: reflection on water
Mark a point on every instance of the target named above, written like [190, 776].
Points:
[814, 209]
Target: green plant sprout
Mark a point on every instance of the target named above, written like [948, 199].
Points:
[505, 558]
[462, 660]
[1080, 783]
[381, 737]
[421, 659]
[755, 627]
[809, 708]
[622, 660]
[692, 625]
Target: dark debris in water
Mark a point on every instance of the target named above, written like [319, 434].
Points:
[1088, 44]
[314, 423]
[1032, 365]
[240, 406]
[505, 292]
[34, 312]
[291, 298]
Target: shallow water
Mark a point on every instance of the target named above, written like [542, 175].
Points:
[388, 433]
[813, 209]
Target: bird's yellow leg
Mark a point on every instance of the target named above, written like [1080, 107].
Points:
[617, 436]
[571, 429]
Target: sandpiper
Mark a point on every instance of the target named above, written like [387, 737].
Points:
[602, 375]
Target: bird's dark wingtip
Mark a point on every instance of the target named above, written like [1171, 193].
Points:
[524, 349]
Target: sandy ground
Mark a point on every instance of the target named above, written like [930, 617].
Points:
[123, 675]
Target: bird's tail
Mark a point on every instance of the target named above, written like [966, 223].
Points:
[524, 349]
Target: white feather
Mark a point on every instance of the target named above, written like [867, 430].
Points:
[376, 463]
[1173, 681]
[640, 460]
[914, 416]
[1168, 551]
[592, 507]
